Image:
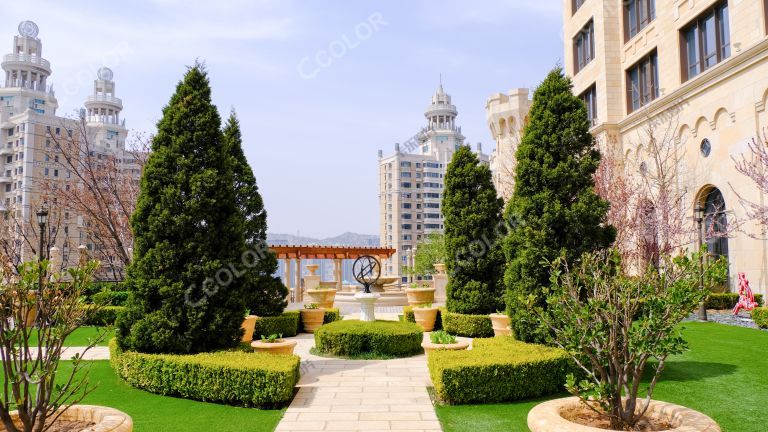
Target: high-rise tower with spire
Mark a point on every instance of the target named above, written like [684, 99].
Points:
[411, 183]
[31, 165]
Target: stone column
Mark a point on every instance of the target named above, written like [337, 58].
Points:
[287, 262]
[299, 291]
[440, 281]
[337, 272]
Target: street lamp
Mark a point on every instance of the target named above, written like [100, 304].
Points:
[698, 215]
[42, 220]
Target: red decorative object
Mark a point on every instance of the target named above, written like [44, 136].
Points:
[746, 298]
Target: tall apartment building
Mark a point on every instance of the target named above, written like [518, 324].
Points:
[507, 115]
[29, 159]
[411, 183]
[698, 68]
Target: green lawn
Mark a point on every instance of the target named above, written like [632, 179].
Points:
[81, 336]
[723, 376]
[151, 412]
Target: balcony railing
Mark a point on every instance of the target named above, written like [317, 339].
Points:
[27, 84]
[28, 58]
[105, 98]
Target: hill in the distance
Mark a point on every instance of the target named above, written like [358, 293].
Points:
[346, 239]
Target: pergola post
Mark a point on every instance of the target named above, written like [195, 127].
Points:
[337, 273]
[288, 279]
[299, 292]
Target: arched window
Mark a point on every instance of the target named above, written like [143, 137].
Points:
[716, 223]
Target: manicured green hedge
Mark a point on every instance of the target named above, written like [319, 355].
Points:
[497, 370]
[760, 316]
[474, 326]
[104, 316]
[381, 338]
[286, 324]
[408, 316]
[229, 377]
[727, 300]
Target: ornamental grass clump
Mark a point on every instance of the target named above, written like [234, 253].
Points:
[617, 326]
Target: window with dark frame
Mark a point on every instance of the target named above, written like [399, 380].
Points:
[637, 15]
[584, 46]
[706, 41]
[642, 82]
[590, 100]
[576, 4]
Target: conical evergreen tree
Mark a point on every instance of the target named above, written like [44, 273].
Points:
[266, 293]
[474, 260]
[189, 234]
[554, 203]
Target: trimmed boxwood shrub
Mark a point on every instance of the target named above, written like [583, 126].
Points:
[727, 300]
[408, 316]
[474, 326]
[230, 377]
[380, 338]
[498, 369]
[760, 316]
[104, 316]
[286, 324]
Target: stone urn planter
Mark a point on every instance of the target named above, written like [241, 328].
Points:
[425, 317]
[249, 324]
[279, 346]
[459, 345]
[440, 268]
[501, 324]
[547, 417]
[417, 296]
[324, 297]
[312, 319]
[105, 419]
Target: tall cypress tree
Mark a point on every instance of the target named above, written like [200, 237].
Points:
[474, 260]
[267, 296]
[189, 234]
[556, 209]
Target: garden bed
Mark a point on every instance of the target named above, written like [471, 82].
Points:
[379, 339]
[229, 377]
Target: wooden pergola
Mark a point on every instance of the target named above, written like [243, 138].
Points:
[296, 253]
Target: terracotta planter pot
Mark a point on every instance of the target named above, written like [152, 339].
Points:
[106, 419]
[459, 345]
[249, 324]
[312, 319]
[425, 317]
[545, 417]
[280, 346]
[417, 296]
[440, 268]
[323, 297]
[500, 323]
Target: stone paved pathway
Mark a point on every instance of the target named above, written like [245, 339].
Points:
[360, 395]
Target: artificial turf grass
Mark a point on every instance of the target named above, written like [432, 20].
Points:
[722, 376]
[151, 412]
[81, 336]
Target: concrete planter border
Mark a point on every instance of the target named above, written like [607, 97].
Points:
[280, 346]
[545, 417]
[459, 345]
[106, 419]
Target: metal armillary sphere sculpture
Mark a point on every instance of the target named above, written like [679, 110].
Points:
[367, 271]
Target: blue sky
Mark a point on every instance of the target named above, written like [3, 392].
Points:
[312, 122]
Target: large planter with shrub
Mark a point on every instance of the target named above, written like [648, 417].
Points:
[378, 339]
[103, 419]
[278, 346]
[501, 324]
[425, 317]
[312, 319]
[417, 296]
[324, 297]
[551, 416]
[249, 324]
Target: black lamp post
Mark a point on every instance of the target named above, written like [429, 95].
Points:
[42, 220]
[698, 215]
